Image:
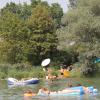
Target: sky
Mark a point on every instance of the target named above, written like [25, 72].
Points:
[63, 3]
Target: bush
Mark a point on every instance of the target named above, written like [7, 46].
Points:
[37, 72]
[4, 68]
[21, 70]
[33, 72]
[75, 73]
[22, 66]
[2, 75]
[89, 68]
[18, 74]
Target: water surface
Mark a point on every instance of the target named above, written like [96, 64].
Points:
[16, 92]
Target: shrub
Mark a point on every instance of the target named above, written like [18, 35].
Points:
[89, 68]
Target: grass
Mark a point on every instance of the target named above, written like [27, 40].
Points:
[19, 71]
[16, 72]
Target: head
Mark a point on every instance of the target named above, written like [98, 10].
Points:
[29, 91]
[70, 85]
[45, 89]
[79, 85]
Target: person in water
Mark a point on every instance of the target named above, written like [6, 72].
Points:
[61, 72]
[50, 76]
[43, 91]
[29, 93]
[86, 89]
[79, 85]
[69, 85]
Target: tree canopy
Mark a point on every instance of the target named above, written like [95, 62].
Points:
[80, 31]
[27, 32]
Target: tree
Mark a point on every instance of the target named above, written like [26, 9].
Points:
[73, 3]
[25, 11]
[57, 13]
[82, 24]
[22, 11]
[12, 7]
[14, 34]
[89, 68]
[28, 31]
[43, 41]
[34, 3]
[81, 28]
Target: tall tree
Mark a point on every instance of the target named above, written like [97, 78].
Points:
[43, 41]
[72, 3]
[34, 3]
[23, 11]
[14, 34]
[57, 13]
[12, 7]
[81, 31]
[82, 22]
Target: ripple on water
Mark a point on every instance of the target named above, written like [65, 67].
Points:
[16, 93]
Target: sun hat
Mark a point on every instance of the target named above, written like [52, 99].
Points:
[45, 62]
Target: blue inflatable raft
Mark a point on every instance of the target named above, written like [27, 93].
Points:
[13, 81]
[73, 91]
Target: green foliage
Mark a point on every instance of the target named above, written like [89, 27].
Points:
[33, 72]
[35, 2]
[81, 26]
[42, 41]
[38, 72]
[56, 13]
[89, 68]
[82, 21]
[2, 75]
[72, 3]
[75, 73]
[20, 71]
[55, 73]
[26, 34]
[80, 32]
[14, 35]
[40, 22]
[12, 7]
[23, 11]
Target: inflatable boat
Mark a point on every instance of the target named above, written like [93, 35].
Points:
[79, 90]
[13, 81]
[73, 91]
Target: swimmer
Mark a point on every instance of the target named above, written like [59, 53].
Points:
[29, 93]
[43, 91]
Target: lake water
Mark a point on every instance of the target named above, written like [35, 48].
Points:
[16, 92]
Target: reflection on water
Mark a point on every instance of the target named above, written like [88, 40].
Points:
[16, 92]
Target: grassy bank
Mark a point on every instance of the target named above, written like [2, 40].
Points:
[20, 71]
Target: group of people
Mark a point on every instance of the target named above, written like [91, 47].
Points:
[64, 72]
[45, 91]
[49, 74]
[41, 92]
